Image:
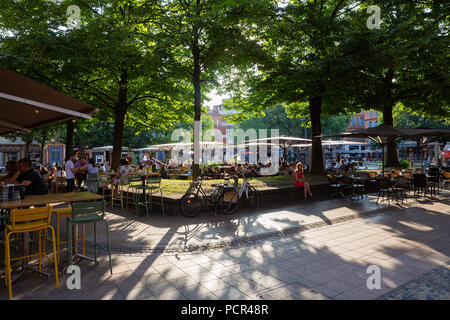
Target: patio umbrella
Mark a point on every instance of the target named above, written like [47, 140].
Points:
[285, 141]
[426, 135]
[329, 144]
[382, 135]
[26, 104]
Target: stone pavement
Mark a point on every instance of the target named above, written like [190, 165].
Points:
[318, 250]
[433, 285]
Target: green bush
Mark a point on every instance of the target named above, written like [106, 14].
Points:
[405, 164]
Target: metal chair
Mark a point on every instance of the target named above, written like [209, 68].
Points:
[86, 213]
[123, 183]
[28, 220]
[445, 180]
[134, 192]
[335, 186]
[384, 189]
[153, 185]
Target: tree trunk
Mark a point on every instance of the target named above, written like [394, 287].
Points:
[315, 110]
[120, 112]
[70, 128]
[391, 149]
[197, 107]
[41, 157]
[27, 149]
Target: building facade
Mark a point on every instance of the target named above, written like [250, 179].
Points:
[54, 153]
[363, 120]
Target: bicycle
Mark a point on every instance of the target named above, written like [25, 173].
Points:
[235, 195]
[196, 199]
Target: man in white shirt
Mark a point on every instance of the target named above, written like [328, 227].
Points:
[70, 172]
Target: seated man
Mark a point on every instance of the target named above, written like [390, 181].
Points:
[13, 172]
[30, 178]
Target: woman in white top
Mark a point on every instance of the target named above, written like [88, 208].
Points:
[59, 173]
[122, 172]
[92, 178]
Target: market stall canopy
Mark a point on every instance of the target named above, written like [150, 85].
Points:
[183, 145]
[26, 104]
[285, 140]
[146, 149]
[330, 143]
[107, 148]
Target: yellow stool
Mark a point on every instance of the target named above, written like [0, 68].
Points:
[28, 220]
[64, 213]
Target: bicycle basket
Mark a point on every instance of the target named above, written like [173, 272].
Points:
[230, 196]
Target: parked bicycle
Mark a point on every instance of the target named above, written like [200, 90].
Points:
[235, 195]
[196, 199]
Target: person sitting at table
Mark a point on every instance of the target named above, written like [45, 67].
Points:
[30, 178]
[13, 172]
[82, 166]
[91, 184]
[122, 172]
[164, 171]
[299, 181]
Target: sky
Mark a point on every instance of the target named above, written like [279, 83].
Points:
[215, 98]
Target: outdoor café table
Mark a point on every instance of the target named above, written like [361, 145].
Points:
[144, 177]
[46, 199]
[184, 176]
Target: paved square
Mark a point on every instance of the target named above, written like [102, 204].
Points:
[275, 254]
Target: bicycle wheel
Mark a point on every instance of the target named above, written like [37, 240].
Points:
[191, 205]
[229, 202]
[252, 197]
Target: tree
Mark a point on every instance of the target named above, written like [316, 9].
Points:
[205, 37]
[403, 62]
[298, 68]
[115, 61]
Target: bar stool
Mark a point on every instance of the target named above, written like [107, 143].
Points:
[86, 213]
[60, 214]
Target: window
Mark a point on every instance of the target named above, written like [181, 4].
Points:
[353, 147]
[363, 147]
[55, 155]
[361, 121]
[370, 113]
[7, 156]
[354, 121]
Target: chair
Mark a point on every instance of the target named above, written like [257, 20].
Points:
[133, 191]
[393, 175]
[215, 174]
[335, 186]
[347, 186]
[61, 213]
[91, 183]
[397, 171]
[384, 189]
[153, 185]
[206, 171]
[123, 183]
[28, 220]
[60, 184]
[445, 180]
[399, 188]
[86, 213]
[103, 181]
[420, 184]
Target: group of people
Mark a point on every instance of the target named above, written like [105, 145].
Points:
[21, 173]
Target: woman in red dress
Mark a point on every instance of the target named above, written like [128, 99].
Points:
[299, 180]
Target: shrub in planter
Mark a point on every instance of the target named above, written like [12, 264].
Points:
[405, 164]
